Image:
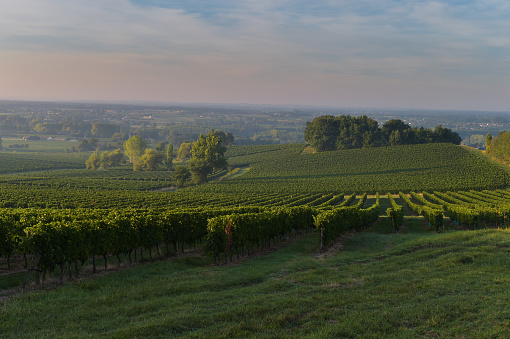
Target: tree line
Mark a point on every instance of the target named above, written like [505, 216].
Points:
[329, 133]
[499, 146]
[206, 155]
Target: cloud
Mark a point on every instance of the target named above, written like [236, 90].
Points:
[337, 29]
[274, 44]
[99, 26]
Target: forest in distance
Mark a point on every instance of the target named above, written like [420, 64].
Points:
[328, 133]
[250, 124]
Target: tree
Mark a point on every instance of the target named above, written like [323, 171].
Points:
[104, 161]
[329, 133]
[216, 152]
[199, 169]
[149, 161]
[391, 126]
[115, 158]
[488, 142]
[181, 175]
[169, 156]
[88, 145]
[207, 154]
[198, 149]
[211, 150]
[500, 147]
[184, 151]
[93, 161]
[160, 147]
[135, 147]
[395, 138]
[227, 139]
[103, 130]
[322, 133]
[443, 134]
[365, 132]
[423, 135]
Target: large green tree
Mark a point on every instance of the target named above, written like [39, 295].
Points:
[93, 161]
[395, 138]
[149, 161]
[443, 134]
[227, 139]
[135, 147]
[105, 159]
[391, 127]
[210, 149]
[116, 157]
[104, 162]
[500, 147]
[181, 175]
[322, 133]
[328, 133]
[199, 169]
[488, 142]
[184, 151]
[207, 155]
[160, 147]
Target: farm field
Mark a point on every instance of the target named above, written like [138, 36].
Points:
[28, 162]
[357, 261]
[274, 170]
[416, 283]
[403, 168]
[53, 146]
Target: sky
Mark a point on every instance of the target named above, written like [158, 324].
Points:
[343, 53]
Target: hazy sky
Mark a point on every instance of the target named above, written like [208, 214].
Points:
[391, 53]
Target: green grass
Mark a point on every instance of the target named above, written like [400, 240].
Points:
[413, 284]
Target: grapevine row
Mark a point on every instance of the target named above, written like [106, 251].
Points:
[433, 216]
[395, 214]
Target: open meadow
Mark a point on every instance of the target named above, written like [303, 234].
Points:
[405, 241]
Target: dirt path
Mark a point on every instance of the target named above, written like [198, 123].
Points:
[337, 246]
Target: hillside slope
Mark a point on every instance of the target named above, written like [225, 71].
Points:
[380, 285]
[402, 168]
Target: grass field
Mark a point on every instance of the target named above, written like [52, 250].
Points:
[413, 284]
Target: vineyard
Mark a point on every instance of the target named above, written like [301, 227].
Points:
[57, 224]
[50, 238]
[23, 162]
[434, 167]
[285, 191]
[273, 171]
